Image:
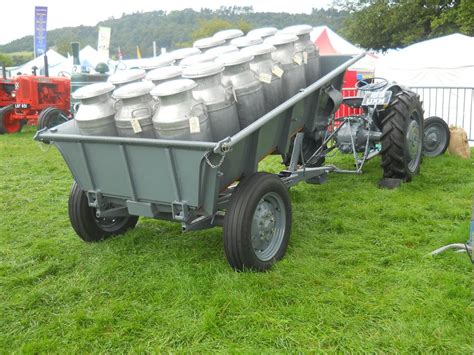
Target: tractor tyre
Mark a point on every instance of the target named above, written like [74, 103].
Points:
[7, 123]
[87, 225]
[436, 136]
[51, 117]
[402, 136]
[257, 224]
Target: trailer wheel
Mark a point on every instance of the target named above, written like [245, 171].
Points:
[402, 136]
[436, 136]
[7, 123]
[257, 224]
[89, 227]
[51, 117]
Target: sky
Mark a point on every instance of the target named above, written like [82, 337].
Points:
[63, 13]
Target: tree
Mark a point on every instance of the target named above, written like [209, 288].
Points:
[385, 24]
[5, 60]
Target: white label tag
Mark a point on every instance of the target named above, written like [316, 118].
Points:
[305, 57]
[277, 71]
[297, 59]
[136, 126]
[194, 126]
[265, 78]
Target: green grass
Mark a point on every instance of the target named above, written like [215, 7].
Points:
[356, 277]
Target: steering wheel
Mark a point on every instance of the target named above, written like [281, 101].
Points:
[64, 74]
[363, 85]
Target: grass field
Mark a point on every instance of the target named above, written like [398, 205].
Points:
[356, 277]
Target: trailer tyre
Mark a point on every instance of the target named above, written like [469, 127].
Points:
[89, 227]
[402, 136]
[51, 117]
[257, 224]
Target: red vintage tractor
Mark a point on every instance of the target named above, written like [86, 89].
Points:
[37, 100]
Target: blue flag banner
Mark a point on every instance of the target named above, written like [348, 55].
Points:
[41, 18]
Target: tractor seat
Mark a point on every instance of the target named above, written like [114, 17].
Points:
[353, 101]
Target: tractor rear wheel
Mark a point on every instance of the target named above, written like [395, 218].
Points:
[257, 224]
[87, 225]
[402, 136]
[7, 123]
[51, 117]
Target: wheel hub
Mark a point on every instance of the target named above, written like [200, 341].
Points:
[268, 226]
[413, 139]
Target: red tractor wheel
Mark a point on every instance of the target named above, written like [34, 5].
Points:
[7, 123]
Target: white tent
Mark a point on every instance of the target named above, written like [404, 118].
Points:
[441, 70]
[54, 58]
[446, 61]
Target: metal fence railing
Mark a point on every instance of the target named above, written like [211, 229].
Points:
[454, 105]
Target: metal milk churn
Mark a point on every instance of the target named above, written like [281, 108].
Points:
[198, 58]
[309, 50]
[289, 61]
[161, 75]
[134, 114]
[228, 35]
[122, 77]
[95, 115]
[263, 66]
[162, 60]
[246, 41]
[263, 32]
[204, 44]
[180, 54]
[220, 103]
[217, 51]
[247, 89]
[179, 116]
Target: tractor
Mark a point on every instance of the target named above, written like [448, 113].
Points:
[36, 100]
[391, 126]
[7, 86]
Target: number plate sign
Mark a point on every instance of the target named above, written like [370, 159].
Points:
[377, 98]
[22, 106]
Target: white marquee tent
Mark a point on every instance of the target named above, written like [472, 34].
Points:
[441, 70]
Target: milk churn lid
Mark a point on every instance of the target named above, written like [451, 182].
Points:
[222, 50]
[234, 58]
[228, 34]
[201, 70]
[133, 90]
[157, 62]
[246, 41]
[259, 49]
[184, 52]
[298, 29]
[198, 58]
[173, 87]
[125, 76]
[208, 42]
[263, 32]
[164, 73]
[281, 38]
[93, 90]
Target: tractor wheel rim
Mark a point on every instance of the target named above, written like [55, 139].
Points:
[413, 138]
[10, 124]
[268, 226]
[434, 140]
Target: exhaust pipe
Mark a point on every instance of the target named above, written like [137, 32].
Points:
[46, 66]
[4, 72]
[76, 62]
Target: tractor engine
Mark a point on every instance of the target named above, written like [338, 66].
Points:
[356, 130]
